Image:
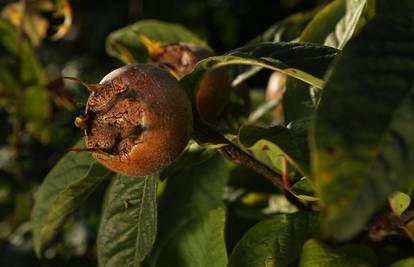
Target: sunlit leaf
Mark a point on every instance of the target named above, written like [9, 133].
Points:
[399, 202]
[346, 26]
[404, 263]
[334, 24]
[62, 192]
[129, 221]
[127, 38]
[192, 218]
[316, 254]
[306, 62]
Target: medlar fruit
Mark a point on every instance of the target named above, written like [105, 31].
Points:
[180, 59]
[137, 120]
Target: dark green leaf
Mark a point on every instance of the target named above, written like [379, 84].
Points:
[62, 192]
[8, 83]
[31, 71]
[193, 154]
[8, 36]
[316, 254]
[192, 218]
[279, 141]
[386, 6]
[333, 26]
[158, 31]
[129, 222]
[276, 241]
[242, 178]
[306, 62]
[363, 148]
[297, 101]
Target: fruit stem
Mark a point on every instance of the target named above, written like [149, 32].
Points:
[236, 155]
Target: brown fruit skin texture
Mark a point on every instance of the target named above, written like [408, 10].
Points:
[213, 94]
[214, 88]
[161, 111]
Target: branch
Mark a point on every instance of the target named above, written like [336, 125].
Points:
[235, 154]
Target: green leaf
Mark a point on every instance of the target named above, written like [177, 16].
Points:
[8, 36]
[399, 202]
[346, 26]
[63, 191]
[363, 148]
[157, 31]
[304, 190]
[37, 109]
[36, 104]
[276, 241]
[316, 254]
[297, 102]
[31, 71]
[243, 179]
[129, 221]
[333, 26]
[277, 141]
[192, 218]
[8, 83]
[193, 154]
[404, 263]
[304, 61]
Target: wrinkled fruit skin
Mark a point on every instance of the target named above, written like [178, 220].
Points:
[141, 119]
[215, 86]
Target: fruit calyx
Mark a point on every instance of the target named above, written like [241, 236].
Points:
[138, 121]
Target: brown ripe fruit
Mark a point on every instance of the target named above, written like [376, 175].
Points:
[213, 94]
[138, 120]
[180, 59]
